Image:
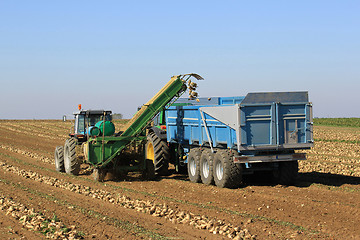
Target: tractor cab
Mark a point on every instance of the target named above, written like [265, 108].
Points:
[85, 119]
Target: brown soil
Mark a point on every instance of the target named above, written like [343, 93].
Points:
[323, 205]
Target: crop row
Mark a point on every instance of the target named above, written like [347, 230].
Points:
[43, 126]
[27, 153]
[340, 134]
[157, 210]
[33, 131]
[37, 222]
[48, 136]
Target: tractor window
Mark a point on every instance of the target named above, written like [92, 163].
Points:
[80, 124]
[93, 119]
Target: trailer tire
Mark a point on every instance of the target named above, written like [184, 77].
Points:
[193, 165]
[71, 163]
[227, 174]
[288, 172]
[206, 167]
[59, 159]
[158, 151]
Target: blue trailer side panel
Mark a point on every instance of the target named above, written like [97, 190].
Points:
[258, 125]
[261, 125]
[184, 125]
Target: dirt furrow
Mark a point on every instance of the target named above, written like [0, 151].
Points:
[262, 205]
[38, 154]
[93, 223]
[157, 210]
[251, 217]
[97, 209]
[324, 204]
[28, 154]
[31, 133]
[330, 167]
[35, 221]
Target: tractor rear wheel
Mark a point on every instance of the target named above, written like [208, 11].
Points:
[194, 165]
[157, 151]
[227, 174]
[59, 159]
[71, 163]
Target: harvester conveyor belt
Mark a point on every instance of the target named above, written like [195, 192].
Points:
[175, 87]
[101, 151]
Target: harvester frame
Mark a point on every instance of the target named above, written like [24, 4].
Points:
[106, 153]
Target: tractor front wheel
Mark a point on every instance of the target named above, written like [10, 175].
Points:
[71, 163]
[59, 159]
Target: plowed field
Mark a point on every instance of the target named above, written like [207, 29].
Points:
[37, 202]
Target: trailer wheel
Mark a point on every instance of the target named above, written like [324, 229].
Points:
[227, 174]
[157, 151]
[206, 167]
[288, 172]
[71, 163]
[59, 159]
[193, 165]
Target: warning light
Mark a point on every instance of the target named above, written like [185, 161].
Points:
[79, 106]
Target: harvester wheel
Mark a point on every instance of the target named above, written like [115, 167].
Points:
[206, 167]
[288, 172]
[158, 151]
[71, 163]
[194, 165]
[99, 174]
[59, 159]
[149, 172]
[227, 174]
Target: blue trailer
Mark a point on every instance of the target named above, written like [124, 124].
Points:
[220, 139]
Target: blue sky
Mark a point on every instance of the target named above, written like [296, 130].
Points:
[117, 54]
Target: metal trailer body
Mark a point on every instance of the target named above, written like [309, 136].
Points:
[261, 127]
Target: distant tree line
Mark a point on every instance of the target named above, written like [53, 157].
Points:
[117, 116]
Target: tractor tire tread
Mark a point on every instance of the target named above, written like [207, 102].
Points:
[161, 154]
[74, 164]
[59, 159]
[207, 155]
[194, 153]
[232, 172]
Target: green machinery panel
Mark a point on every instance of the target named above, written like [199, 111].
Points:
[102, 150]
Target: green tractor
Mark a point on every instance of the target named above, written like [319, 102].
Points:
[136, 149]
[88, 123]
